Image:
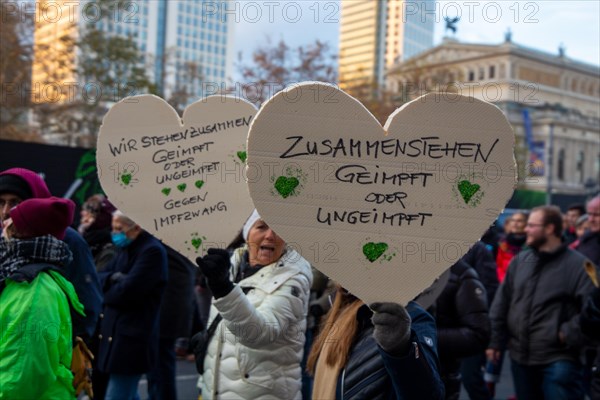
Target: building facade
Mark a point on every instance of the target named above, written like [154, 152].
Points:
[186, 46]
[552, 102]
[376, 34]
[198, 33]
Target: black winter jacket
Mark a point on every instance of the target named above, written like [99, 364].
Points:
[177, 305]
[483, 262]
[542, 294]
[463, 323]
[371, 373]
[461, 314]
[589, 246]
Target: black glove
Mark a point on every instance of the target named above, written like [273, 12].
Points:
[215, 267]
[392, 327]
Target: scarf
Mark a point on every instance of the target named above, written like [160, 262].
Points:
[16, 253]
[326, 376]
[246, 270]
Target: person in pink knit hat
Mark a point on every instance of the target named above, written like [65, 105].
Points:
[37, 300]
[20, 184]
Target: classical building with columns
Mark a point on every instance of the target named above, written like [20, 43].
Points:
[551, 100]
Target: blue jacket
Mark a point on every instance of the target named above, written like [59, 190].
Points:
[129, 326]
[371, 373]
[590, 325]
[81, 272]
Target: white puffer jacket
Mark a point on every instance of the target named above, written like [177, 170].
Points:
[256, 350]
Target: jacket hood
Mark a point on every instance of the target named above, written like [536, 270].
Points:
[35, 182]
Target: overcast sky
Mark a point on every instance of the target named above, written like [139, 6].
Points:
[543, 25]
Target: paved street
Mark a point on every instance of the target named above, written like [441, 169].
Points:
[186, 382]
[187, 378]
[504, 388]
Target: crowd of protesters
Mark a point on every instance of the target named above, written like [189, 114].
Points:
[262, 323]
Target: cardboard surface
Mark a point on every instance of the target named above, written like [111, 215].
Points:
[182, 182]
[382, 211]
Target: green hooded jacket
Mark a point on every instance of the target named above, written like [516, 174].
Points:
[36, 338]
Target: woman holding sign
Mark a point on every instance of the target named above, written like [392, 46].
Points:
[383, 351]
[258, 322]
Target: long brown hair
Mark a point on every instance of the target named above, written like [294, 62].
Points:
[342, 315]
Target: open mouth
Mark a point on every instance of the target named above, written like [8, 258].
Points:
[266, 251]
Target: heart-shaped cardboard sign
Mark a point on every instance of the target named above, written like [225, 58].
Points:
[182, 182]
[383, 211]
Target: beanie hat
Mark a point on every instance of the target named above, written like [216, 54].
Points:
[35, 183]
[15, 185]
[249, 223]
[39, 217]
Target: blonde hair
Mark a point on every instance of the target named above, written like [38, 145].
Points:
[343, 315]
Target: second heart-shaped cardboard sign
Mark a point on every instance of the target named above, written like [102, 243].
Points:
[181, 181]
[382, 211]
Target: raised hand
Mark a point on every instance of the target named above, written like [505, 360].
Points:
[392, 327]
[215, 266]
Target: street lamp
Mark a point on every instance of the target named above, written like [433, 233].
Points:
[550, 165]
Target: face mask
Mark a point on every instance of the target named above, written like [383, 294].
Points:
[120, 239]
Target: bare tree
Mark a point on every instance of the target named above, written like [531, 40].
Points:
[81, 74]
[274, 67]
[16, 54]
[380, 101]
[112, 63]
[186, 87]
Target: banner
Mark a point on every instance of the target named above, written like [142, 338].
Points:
[537, 159]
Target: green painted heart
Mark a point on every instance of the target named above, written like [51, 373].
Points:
[181, 187]
[373, 250]
[196, 242]
[126, 178]
[242, 155]
[467, 190]
[285, 186]
[199, 184]
[166, 191]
